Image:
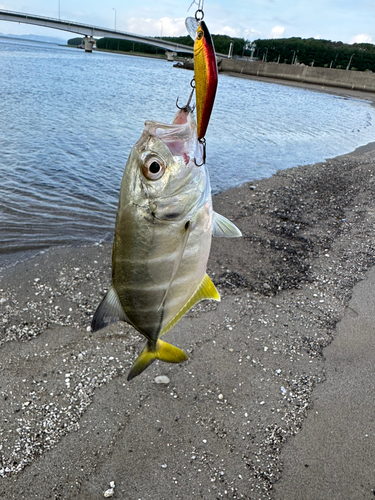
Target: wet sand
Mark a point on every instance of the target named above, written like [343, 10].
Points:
[276, 399]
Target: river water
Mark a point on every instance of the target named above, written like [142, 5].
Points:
[68, 120]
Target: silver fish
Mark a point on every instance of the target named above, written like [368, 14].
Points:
[162, 238]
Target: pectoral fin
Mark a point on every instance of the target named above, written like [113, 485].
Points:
[206, 290]
[109, 311]
[224, 228]
[163, 351]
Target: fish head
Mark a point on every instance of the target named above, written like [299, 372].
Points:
[161, 173]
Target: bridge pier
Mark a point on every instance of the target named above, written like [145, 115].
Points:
[89, 43]
[170, 55]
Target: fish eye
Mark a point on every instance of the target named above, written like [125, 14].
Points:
[153, 168]
[200, 34]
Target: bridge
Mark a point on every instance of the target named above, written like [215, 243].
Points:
[90, 31]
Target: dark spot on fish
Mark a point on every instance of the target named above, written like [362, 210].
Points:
[172, 216]
[187, 225]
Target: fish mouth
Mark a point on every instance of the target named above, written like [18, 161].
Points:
[180, 136]
[182, 115]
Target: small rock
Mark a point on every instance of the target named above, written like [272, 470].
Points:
[162, 379]
[109, 493]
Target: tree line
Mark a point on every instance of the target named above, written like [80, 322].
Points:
[221, 42]
[310, 51]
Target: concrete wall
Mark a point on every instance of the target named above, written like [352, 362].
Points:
[355, 80]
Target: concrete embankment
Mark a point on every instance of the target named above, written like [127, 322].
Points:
[354, 80]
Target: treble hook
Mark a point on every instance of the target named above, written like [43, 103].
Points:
[203, 143]
[192, 85]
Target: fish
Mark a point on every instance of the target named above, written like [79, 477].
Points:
[205, 73]
[162, 239]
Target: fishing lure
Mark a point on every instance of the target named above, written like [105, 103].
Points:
[205, 71]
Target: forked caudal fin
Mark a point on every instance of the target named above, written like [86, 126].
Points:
[163, 351]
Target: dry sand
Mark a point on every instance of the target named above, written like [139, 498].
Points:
[276, 399]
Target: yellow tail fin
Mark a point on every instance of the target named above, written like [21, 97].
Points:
[163, 351]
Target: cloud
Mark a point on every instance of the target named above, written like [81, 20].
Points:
[363, 38]
[165, 26]
[252, 32]
[277, 31]
[227, 30]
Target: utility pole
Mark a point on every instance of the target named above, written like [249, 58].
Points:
[115, 16]
[350, 60]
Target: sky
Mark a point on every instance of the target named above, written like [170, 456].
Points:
[347, 21]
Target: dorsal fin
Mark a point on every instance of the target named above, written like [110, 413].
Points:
[206, 290]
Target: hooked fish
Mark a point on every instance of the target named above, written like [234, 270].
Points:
[205, 73]
[162, 238]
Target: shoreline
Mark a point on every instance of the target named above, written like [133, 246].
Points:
[220, 428]
[11, 259]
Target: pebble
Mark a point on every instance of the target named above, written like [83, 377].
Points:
[162, 379]
[110, 492]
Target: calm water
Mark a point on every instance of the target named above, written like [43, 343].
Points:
[69, 119]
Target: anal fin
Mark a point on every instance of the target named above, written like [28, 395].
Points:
[206, 290]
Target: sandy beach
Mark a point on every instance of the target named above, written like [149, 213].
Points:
[276, 399]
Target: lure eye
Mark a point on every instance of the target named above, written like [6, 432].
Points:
[200, 34]
[153, 168]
